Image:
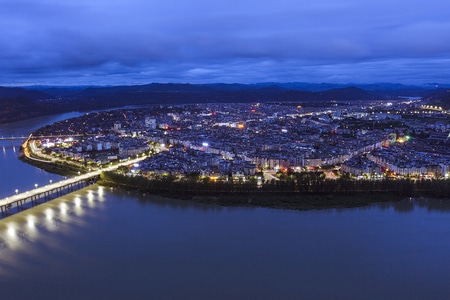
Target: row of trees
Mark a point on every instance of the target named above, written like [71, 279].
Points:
[300, 183]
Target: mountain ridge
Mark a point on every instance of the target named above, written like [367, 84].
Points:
[20, 103]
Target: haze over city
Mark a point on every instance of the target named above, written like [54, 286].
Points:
[136, 41]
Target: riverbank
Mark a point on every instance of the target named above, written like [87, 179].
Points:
[52, 167]
[319, 193]
[297, 201]
[278, 200]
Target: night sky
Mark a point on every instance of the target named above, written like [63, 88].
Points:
[82, 42]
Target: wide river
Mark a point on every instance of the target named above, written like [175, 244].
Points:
[102, 243]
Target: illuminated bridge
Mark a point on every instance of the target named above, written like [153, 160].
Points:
[12, 138]
[22, 201]
[38, 195]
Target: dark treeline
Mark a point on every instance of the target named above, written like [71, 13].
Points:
[308, 183]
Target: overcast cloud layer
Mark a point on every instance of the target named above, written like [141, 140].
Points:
[204, 41]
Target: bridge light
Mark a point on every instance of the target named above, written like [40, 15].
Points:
[17, 191]
[35, 185]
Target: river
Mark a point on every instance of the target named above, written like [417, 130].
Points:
[102, 243]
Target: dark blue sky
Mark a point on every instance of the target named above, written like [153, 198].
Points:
[204, 41]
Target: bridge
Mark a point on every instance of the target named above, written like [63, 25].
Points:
[23, 137]
[28, 199]
[12, 138]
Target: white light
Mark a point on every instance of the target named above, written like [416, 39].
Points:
[11, 231]
[30, 222]
[205, 144]
[63, 208]
[49, 213]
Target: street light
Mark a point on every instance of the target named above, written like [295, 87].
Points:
[35, 185]
[17, 191]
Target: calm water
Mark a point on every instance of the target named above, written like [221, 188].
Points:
[13, 173]
[99, 243]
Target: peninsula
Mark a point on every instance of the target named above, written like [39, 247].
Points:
[307, 154]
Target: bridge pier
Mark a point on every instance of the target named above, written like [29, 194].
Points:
[20, 205]
[4, 209]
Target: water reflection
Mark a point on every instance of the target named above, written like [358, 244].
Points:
[206, 251]
[179, 204]
[39, 225]
[17, 175]
[409, 205]
[406, 205]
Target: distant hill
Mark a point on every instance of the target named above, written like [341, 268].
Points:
[381, 88]
[188, 93]
[58, 91]
[20, 103]
[9, 92]
[440, 97]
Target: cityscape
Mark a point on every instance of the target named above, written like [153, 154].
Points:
[220, 150]
[368, 140]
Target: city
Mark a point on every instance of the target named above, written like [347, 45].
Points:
[368, 140]
[224, 150]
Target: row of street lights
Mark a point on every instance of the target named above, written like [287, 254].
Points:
[35, 186]
[50, 181]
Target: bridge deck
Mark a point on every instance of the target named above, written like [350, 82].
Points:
[47, 188]
[19, 198]
[9, 138]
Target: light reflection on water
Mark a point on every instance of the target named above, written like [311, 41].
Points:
[39, 226]
[15, 174]
[123, 242]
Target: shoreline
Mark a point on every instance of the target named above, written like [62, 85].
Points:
[278, 200]
[283, 198]
[51, 167]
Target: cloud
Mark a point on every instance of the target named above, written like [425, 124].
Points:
[210, 41]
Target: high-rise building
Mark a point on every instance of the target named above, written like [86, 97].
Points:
[150, 123]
